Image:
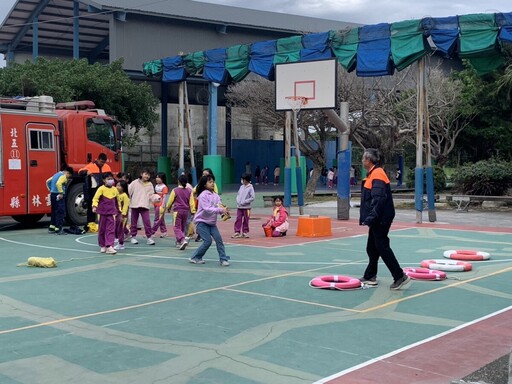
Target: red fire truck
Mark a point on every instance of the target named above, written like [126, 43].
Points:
[37, 138]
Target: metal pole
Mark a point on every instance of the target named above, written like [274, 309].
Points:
[76, 29]
[344, 161]
[212, 121]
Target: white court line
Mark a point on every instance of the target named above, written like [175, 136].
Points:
[396, 352]
[124, 254]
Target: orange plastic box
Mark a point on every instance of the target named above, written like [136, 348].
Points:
[314, 226]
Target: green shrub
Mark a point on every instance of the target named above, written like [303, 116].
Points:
[487, 177]
[439, 179]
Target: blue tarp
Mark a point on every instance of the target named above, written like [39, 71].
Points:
[215, 66]
[316, 47]
[444, 32]
[262, 58]
[505, 21]
[477, 37]
[374, 51]
[174, 70]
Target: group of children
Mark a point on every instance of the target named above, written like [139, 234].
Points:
[200, 205]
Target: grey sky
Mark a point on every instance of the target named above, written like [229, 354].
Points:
[356, 11]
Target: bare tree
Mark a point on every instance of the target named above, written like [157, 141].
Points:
[372, 122]
[448, 115]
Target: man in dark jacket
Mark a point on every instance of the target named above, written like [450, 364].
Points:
[377, 212]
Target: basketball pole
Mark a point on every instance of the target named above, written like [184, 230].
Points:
[287, 169]
[298, 170]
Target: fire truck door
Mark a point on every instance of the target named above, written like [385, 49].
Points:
[42, 163]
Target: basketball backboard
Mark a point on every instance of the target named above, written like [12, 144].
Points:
[314, 80]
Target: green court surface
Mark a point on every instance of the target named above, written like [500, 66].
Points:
[146, 315]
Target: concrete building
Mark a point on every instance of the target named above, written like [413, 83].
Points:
[106, 30]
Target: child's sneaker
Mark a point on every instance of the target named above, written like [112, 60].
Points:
[224, 263]
[133, 240]
[103, 250]
[119, 247]
[111, 251]
[183, 245]
[236, 236]
[116, 241]
[163, 235]
[245, 235]
[150, 241]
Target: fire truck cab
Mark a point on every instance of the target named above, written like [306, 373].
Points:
[38, 138]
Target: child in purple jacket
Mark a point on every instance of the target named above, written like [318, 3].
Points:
[106, 205]
[208, 207]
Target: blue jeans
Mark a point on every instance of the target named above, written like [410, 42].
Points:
[206, 232]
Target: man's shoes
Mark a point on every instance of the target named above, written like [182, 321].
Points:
[245, 235]
[111, 251]
[193, 260]
[163, 235]
[401, 282]
[133, 240]
[224, 263]
[150, 241]
[236, 236]
[119, 247]
[60, 231]
[370, 282]
[51, 229]
[183, 245]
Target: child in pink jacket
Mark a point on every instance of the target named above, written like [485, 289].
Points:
[279, 220]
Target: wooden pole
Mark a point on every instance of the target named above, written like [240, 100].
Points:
[190, 141]
[420, 112]
[432, 217]
[181, 154]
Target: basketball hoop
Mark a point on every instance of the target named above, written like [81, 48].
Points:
[296, 102]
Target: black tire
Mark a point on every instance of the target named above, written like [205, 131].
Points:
[28, 220]
[76, 214]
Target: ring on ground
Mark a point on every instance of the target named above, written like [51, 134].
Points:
[466, 254]
[447, 265]
[424, 274]
[339, 282]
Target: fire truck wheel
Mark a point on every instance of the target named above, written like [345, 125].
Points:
[27, 219]
[76, 213]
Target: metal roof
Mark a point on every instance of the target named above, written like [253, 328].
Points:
[55, 22]
[222, 14]
[55, 26]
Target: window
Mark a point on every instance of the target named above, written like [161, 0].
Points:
[101, 132]
[41, 140]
